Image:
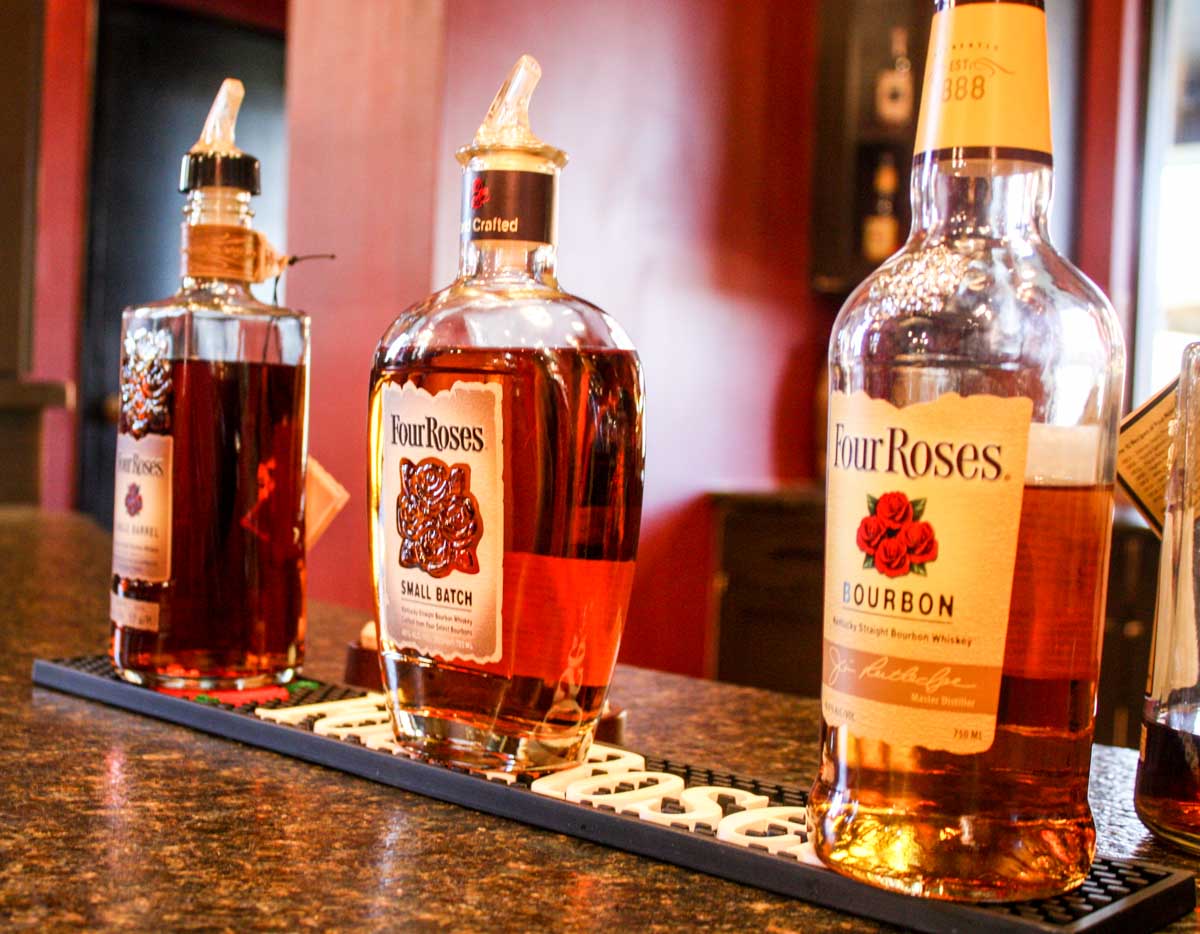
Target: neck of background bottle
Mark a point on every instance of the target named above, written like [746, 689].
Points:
[507, 260]
[1001, 198]
[219, 207]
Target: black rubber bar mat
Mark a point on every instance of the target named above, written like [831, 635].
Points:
[714, 822]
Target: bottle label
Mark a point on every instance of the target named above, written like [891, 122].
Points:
[133, 614]
[986, 82]
[220, 251]
[441, 515]
[508, 205]
[924, 506]
[142, 508]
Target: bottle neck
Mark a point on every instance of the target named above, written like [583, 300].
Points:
[1006, 199]
[508, 260]
[983, 135]
[509, 219]
[214, 258]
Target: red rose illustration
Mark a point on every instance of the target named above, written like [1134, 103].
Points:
[479, 194]
[918, 537]
[893, 510]
[891, 558]
[892, 537]
[871, 531]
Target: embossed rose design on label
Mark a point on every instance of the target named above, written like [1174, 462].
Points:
[437, 517]
[145, 382]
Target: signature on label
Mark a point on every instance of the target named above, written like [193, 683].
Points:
[882, 669]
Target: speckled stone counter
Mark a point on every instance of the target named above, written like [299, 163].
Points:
[109, 819]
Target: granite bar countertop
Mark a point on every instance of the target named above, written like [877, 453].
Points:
[111, 819]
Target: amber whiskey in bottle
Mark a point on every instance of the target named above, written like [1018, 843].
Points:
[506, 454]
[975, 384]
[208, 519]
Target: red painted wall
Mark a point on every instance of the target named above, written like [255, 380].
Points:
[362, 97]
[1111, 141]
[684, 213]
[61, 232]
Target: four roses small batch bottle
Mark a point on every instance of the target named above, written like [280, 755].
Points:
[506, 468]
[975, 384]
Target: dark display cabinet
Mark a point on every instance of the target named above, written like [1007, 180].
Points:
[871, 65]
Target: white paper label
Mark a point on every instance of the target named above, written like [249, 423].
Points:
[924, 509]
[133, 614]
[142, 508]
[441, 515]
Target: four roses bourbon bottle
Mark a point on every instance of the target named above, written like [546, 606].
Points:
[975, 383]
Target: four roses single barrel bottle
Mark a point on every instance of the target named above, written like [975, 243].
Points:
[506, 457]
[975, 383]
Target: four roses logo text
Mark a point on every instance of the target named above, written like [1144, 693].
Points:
[893, 538]
[437, 517]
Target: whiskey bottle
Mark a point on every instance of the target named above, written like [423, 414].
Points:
[506, 458]
[208, 517]
[975, 383]
[881, 228]
[894, 85]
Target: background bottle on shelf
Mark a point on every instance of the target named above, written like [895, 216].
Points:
[881, 228]
[894, 96]
[975, 384]
[506, 479]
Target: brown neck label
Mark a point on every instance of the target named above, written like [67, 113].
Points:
[218, 251]
[508, 205]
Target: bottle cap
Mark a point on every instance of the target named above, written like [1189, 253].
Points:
[505, 129]
[215, 161]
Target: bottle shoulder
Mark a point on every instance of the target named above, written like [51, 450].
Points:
[1002, 298]
[212, 303]
[532, 316]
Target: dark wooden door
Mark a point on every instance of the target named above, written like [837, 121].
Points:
[157, 71]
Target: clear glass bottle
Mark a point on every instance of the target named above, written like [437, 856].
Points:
[1167, 790]
[506, 479]
[975, 385]
[208, 520]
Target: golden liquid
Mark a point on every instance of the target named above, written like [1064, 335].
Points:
[573, 463]
[1013, 822]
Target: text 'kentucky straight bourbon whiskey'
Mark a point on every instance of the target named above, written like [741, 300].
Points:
[506, 455]
[975, 383]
